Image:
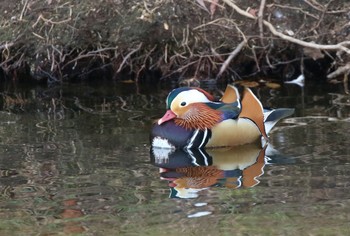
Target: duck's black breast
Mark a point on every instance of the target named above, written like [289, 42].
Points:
[170, 135]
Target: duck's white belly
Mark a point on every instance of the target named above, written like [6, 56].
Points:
[233, 132]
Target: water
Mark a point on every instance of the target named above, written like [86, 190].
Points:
[75, 160]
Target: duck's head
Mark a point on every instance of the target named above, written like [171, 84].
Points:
[188, 107]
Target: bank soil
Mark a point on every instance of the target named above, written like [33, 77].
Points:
[187, 41]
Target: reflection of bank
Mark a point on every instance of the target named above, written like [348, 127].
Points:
[191, 171]
[70, 212]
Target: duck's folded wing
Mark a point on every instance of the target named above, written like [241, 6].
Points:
[228, 110]
[231, 94]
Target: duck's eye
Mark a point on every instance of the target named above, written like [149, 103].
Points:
[183, 104]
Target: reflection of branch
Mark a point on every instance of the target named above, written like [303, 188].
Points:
[339, 46]
[79, 105]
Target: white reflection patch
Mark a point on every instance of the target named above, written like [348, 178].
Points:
[199, 214]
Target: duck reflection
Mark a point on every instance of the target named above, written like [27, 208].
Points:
[190, 171]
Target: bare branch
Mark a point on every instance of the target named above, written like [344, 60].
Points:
[6, 46]
[23, 10]
[127, 57]
[260, 20]
[341, 70]
[233, 54]
[339, 46]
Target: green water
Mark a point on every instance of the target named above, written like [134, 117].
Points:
[75, 160]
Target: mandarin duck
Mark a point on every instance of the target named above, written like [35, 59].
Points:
[194, 119]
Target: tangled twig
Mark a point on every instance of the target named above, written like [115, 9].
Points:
[340, 46]
[6, 46]
[260, 18]
[341, 70]
[128, 56]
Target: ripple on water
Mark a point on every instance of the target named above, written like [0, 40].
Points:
[87, 170]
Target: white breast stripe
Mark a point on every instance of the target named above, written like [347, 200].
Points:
[192, 139]
[204, 138]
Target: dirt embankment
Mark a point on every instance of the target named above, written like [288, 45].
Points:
[55, 41]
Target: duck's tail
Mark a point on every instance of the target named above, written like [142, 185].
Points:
[271, 117]
[252, 109]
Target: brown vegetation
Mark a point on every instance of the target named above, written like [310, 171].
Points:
[59, 41]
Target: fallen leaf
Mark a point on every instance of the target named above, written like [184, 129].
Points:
[273, 85]
[128, 81]
[249, 84]
[166, 26]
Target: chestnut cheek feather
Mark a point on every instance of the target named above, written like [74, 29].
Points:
[199, 116]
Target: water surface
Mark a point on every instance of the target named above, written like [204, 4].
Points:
[75, 159]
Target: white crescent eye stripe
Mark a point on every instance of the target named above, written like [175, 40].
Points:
[188, 97]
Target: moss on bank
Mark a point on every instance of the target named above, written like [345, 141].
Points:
[55, 41]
